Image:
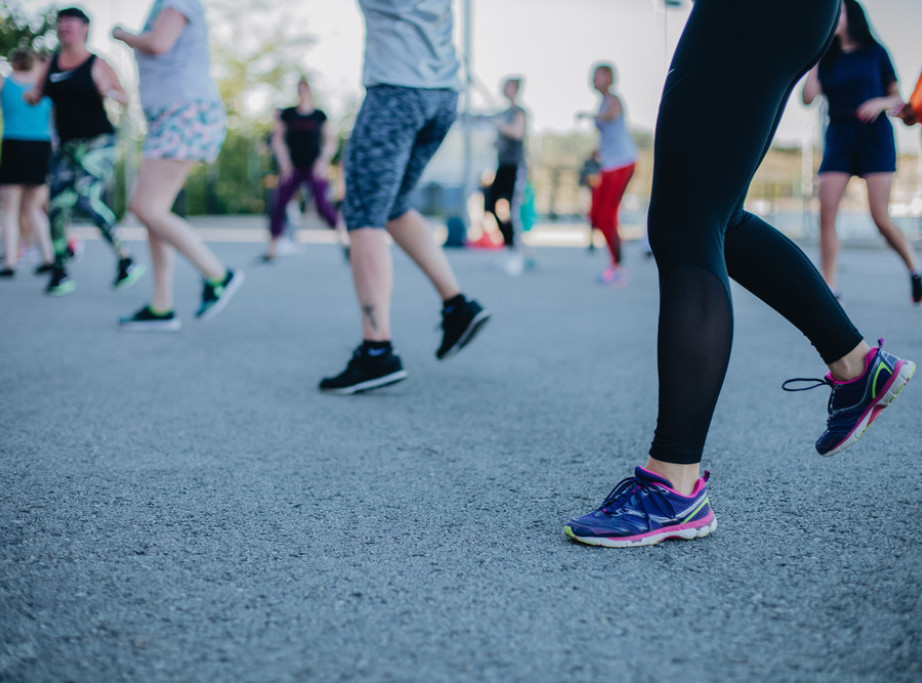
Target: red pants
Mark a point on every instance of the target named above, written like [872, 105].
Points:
[606, 198]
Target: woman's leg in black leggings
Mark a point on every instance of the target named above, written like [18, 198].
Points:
[732, 73]
[796, 289]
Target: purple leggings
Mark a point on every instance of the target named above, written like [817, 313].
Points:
[318, 187]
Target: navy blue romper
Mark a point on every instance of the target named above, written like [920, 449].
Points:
[848, 80]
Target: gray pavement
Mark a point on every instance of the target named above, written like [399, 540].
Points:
[189, 507]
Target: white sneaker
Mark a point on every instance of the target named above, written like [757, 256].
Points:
[515, 263]
[286, 247]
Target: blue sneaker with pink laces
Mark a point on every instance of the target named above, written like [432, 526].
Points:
[643, 510]
[855, 404]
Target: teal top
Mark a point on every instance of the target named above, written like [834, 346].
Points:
[22, 121]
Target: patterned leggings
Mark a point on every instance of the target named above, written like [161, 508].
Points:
[80, 172]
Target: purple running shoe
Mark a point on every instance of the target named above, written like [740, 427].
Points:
[855, 404]
[644, 510]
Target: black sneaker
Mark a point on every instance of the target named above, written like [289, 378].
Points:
[916, 283]
[146, 320]
[74, 251]
[60, 283]
[128, 273]
[366, 371]
[459, 325]
[7, 272]
[44, 268]
[215, 297]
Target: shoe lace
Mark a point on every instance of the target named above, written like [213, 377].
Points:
[791, 385]
[817, 382]
[629, 492]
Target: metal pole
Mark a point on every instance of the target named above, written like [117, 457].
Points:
[467, 60]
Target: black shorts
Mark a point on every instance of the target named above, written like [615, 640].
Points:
[859, 148]
[24, 162]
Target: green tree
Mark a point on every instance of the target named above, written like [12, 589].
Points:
[257, 60]
[19, 28]
[256, 64]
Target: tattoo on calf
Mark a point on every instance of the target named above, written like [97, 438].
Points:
[369, 312]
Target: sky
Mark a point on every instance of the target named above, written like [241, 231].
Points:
[551, 43]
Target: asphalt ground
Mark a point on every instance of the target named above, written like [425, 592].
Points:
[188, 507]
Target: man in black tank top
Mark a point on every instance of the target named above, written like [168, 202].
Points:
[77, 82]
[78, 105]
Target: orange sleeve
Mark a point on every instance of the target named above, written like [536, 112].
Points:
[916, 99]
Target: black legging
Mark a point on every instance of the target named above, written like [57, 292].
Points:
[506, 185]
[732, 73]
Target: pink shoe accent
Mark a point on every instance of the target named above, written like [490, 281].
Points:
[700, 484]
[868, 357]
[669, 531]
[613, 275]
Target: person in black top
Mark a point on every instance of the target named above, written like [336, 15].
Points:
[303, 146]
[77, 82]
[503, 199]
[860, 85]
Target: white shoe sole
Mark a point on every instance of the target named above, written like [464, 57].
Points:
[152, 326]
[137, 272]
[367, 385]
[686, 534]
[907, 369]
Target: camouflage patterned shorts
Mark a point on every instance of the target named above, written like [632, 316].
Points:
[186, 131]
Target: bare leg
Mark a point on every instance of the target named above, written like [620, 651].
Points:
[159, 181]
[11, 198]
[162, 257]
[832, 188]
[411, 233]
[33, 211]
[272, 247]
[851, 365]
[879, 201]
[683, 477]
[373, 274]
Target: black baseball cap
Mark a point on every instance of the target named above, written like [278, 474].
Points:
[74, 12]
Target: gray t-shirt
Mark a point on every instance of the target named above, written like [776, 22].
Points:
[409, 43]
[509, 150]
[182, 74]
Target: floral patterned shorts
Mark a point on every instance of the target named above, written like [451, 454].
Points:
[186, 131]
